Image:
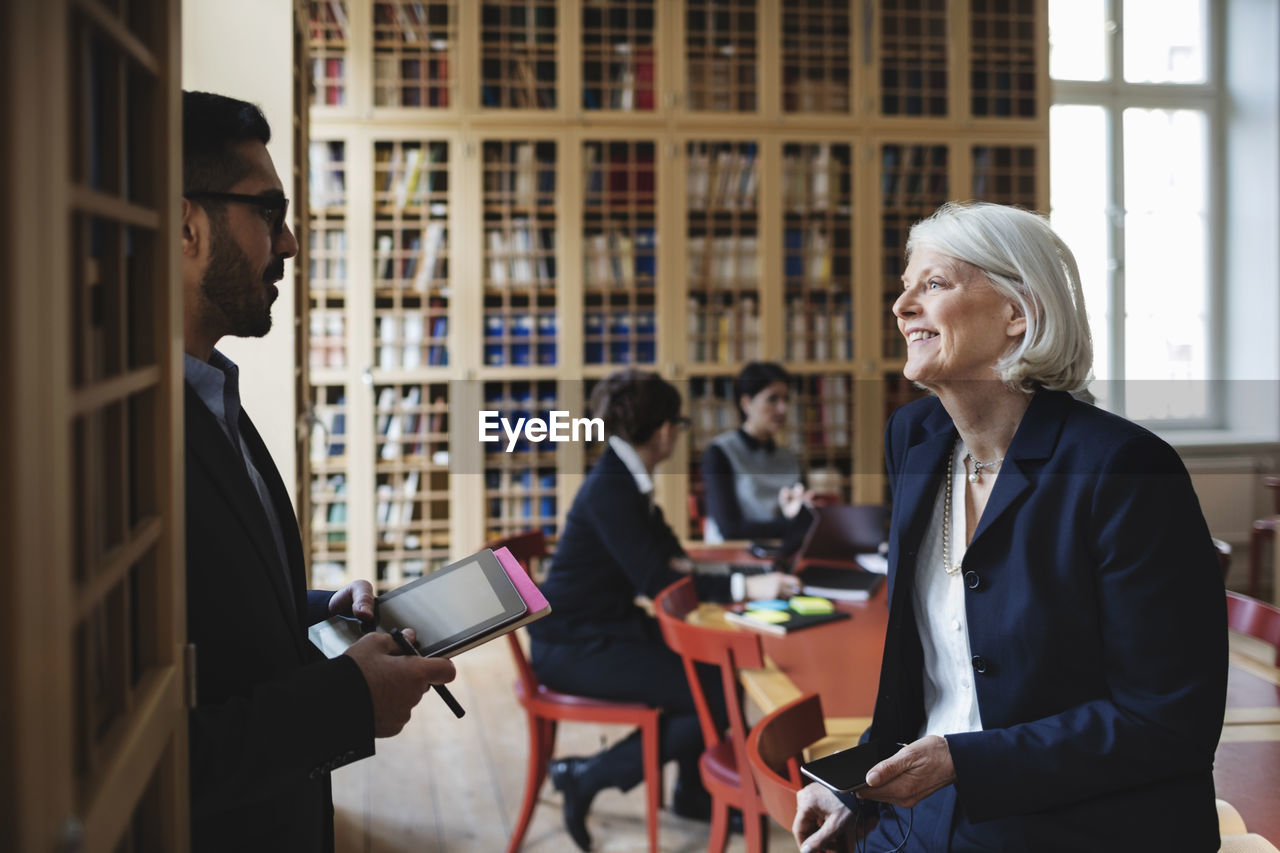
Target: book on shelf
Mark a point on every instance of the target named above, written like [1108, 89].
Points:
[622, 95]
[522, 270]
[646, 249]
[389, 433]
[406, 183]
[499, 262]
[412, 356]
[820, 177]
[389, 342]
[818, 255]
[698, 178]
[593, 337]
[594, 183]
[334, 92]
[326, 177]
[336, 514]
[524, 176]
[384, 259]
[411, 405]
[622, 259]
[596, 271]
[547, 257]
[646, 337]
[432, 242]
[546, 346]
[644, 77]
[437, 351]
[338, 429]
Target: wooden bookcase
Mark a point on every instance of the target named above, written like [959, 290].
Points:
[512, 199]
[94, 681]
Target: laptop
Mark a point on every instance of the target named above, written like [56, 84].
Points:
[839, 533]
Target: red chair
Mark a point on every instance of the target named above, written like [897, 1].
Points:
[775, 751]
[1264, 531]
[723, 764]
[1256, 618]
[545, 709]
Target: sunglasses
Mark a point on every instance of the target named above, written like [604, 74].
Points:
[272, 207]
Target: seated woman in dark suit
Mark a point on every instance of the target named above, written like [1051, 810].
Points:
[1056, 654]
[615, 547]
[753, 485]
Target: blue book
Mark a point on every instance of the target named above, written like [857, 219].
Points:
[521, 331]
[646, 244]
[546, 338]
[793, 242]
[593, 334]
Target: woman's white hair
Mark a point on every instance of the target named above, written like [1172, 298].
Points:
[1027, 263]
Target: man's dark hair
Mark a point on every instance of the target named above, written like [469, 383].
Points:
[634, 404]
[212, 126]
[757, 376]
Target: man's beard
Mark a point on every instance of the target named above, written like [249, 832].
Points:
[231, 285]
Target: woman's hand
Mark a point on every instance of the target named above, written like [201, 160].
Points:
[794, 498]
[821, 820]
[911, 774]
[772, 585]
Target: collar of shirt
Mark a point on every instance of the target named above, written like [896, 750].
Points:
[631, 459]
[754, 443]
[217, 384]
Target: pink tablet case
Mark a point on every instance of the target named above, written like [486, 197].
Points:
[533, 597]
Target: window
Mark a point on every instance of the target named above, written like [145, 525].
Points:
[1134, 136]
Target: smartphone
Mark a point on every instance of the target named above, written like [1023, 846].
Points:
[846, 771]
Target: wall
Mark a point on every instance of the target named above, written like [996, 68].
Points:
[243, 48]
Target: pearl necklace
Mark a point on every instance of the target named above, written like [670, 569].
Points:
[976, 476]
[946, 519]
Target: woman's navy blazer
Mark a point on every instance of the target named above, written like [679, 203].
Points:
[1097, 629]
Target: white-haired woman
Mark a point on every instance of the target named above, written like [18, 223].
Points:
[1055, 660]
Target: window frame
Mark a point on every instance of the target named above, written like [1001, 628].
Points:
[1113, 95]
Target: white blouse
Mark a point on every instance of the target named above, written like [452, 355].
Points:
[950, 700]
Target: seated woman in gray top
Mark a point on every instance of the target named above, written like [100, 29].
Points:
[753, 486]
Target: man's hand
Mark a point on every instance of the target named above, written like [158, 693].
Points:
[396, 681]
[913, 773]
[355, 599]
[821, 821]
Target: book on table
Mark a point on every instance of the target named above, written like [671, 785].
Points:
[839, 583]
[775, 616]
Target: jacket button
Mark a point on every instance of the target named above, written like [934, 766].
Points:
[972, 580]
[979, 664]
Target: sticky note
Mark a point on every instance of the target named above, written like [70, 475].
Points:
[770, 616]
[811, 604]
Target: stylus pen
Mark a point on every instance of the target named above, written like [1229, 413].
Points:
[407, 647]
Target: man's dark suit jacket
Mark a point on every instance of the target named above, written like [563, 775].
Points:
[1097, 625]
[272, 715]
[614, 547]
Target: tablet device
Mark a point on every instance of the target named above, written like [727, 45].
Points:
[846, 771]
[452, 605]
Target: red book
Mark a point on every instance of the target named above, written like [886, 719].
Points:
[644, 78]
